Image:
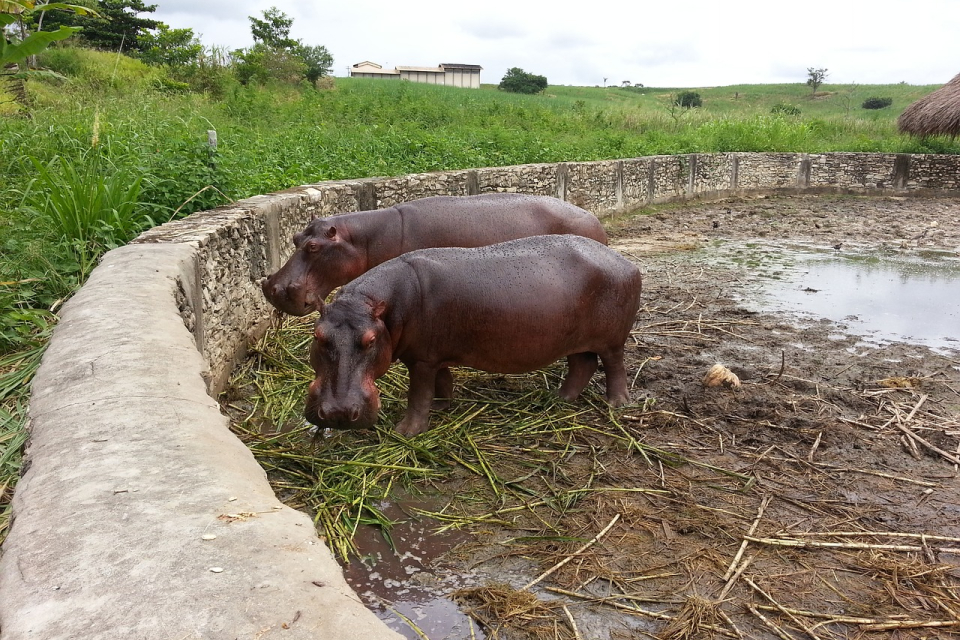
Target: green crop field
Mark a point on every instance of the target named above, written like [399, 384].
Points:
[118, 146]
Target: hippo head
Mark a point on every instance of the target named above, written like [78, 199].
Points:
[351, 349]
[325, 258]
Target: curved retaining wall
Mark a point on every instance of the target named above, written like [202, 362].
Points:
[139, 515]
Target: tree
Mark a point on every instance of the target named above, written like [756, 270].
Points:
[318, 60]
[815, 77]
[172, 47]
[117, 25]
[273, 30]
[516, 80]
[261, 64]
[275, 55]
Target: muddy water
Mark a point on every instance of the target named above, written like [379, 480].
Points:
[403, 583]
[884, 296]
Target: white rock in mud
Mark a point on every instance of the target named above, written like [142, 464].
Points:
[719, 375]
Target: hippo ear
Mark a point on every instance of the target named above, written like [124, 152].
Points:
[377, 309]
[330, 233]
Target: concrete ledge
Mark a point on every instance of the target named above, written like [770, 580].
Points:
[130, 462]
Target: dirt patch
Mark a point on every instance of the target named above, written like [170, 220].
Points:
[818, 499]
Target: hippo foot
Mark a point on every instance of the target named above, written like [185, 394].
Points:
[441, 403]
[619, 399]
[410, 427]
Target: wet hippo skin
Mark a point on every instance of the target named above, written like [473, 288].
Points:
[333, 251]
[512, 307]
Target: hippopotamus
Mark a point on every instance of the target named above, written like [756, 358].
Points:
[512, 307]
[333, 251]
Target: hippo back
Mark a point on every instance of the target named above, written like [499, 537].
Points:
[475, 221]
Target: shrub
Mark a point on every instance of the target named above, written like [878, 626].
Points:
[261, 64]
[784, 109]
[164, 84]
[516, 80]
[877, 103]
[688, 99]
[210, 73]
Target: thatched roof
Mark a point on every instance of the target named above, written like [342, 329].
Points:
[935, 114]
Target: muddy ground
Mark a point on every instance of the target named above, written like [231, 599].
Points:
[818, 499]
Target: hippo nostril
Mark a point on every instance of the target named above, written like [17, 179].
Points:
[355, 414]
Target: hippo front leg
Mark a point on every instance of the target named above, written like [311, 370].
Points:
[423, 383]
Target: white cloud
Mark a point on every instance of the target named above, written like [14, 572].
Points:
[691, 43]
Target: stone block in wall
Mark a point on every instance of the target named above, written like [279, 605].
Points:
[636, 180]
[535, 179]
[669, 178]
[855, 171]
[391, 191]
[768, 170]
[595, 186]
[933, 173]
[712, 173]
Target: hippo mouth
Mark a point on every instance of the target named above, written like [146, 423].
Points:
[356, 418]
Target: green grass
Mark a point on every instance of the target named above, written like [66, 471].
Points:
[115, 121]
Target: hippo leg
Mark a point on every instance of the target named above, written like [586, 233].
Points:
[443, 393]
[423, 384]
[580, 368]
[617, 391]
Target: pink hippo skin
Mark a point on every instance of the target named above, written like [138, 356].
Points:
[512, 307]
[333, 251]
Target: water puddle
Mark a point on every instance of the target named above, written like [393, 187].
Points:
[886, 296]
[405, 585]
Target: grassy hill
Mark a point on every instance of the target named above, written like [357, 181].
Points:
[119, 146]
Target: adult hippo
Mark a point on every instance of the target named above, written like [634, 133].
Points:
[508, 308]
[333, 251]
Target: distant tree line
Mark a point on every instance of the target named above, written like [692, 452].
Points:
[118, 25]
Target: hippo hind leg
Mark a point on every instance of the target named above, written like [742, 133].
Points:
[617, 392]
[443, 389]
[580, 368]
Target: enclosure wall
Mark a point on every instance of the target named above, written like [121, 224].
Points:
[131, 467]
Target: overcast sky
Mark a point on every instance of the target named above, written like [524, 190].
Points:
[686, 43]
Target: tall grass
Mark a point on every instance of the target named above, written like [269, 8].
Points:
[92, 209]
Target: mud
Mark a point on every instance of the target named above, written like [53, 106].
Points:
[836, 437]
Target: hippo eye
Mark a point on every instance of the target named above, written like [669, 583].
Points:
[367, 339]
[312, 246]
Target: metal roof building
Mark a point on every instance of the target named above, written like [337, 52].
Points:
[448, 74]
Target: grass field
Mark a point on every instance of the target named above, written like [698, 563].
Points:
[119, 147]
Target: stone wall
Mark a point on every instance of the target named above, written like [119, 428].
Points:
[131, 469]
[239, 244]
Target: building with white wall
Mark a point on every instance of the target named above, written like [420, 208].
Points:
[448, 74]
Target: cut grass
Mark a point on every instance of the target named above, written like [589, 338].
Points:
[503, 434]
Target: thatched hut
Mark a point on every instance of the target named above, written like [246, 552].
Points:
[935, 114]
